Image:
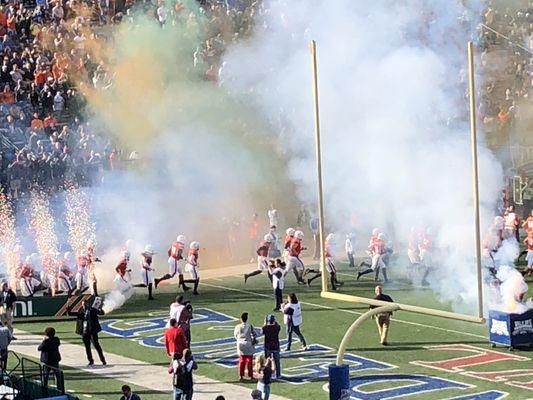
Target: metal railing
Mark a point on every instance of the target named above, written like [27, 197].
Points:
[29, 379]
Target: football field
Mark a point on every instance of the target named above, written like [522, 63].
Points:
[428, 357]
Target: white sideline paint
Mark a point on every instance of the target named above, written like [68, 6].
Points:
[132, 371]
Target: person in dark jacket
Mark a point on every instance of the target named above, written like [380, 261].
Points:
[7, 305]
[88, 327]
[50, 356]
[271, 331]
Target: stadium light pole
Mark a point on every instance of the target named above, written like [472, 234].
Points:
[475, 175]
[312, 47]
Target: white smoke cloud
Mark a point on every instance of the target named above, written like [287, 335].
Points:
[394, 123]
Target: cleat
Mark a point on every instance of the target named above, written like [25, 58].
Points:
[156, 281]
[358, 275]
[245, 278]
[195, 293]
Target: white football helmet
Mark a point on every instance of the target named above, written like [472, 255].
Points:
[194, 245]
[375, 231]
[290, 231]
[181, 238]
[299, 235]
[148, 249]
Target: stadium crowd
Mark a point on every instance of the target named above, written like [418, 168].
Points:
[506, 43]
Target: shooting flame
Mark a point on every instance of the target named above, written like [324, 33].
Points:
[80, 227]
[10, 248]
[42, 224]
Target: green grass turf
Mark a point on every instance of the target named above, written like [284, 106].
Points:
[325, 322]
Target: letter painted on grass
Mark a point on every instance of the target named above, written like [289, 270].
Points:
[414, 384]
[478, 356]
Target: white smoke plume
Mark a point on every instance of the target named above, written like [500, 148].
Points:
[116, 299]
[395, 136]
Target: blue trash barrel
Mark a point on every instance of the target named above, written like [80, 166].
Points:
[339, 379]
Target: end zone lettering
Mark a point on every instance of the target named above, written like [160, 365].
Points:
[312, 364]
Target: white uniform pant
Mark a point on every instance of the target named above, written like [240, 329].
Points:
[82, 280]
[285, 256]
[27, 286]
[64, 283]
[45, 279]
[529, 258]
[377, 261]
[296, 263]
[146, 276]
[262, 263]
[175, 266]
[193, 270]
[330, 267]
[425, 258]
[92, 279]
[122, 283]
[413, 256]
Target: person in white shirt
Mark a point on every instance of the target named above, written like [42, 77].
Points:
[278, 273]
[293, 319]
[176, 309]
[273, 250]
[348, 247]
[272, 216]
[162, 14]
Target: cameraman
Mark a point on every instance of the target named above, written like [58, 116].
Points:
[88, 327]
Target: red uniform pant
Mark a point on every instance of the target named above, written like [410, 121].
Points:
[246, 362]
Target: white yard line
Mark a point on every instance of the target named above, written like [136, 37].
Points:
[130, 370]
[351, 312]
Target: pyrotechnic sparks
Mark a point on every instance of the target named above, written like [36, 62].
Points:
[42, 224]
[9, 245]
[80, 228]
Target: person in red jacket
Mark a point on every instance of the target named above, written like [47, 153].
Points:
[175, 340]
[262, 258]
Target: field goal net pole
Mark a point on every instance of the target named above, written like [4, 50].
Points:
[316, 112]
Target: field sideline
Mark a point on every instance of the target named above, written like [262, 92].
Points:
[223, 299]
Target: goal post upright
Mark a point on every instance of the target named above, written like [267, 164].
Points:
[325, 293]
[475, 175]
[320, 198]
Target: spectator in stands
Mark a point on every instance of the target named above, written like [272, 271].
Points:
[50, 357]
[127, 394]
[175, 340]
[246, 340]
[7, 304]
